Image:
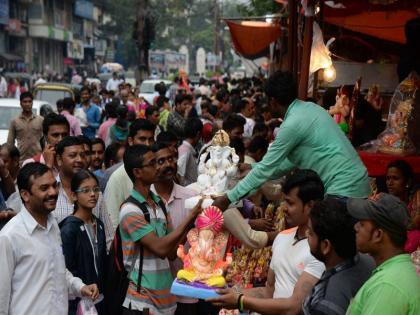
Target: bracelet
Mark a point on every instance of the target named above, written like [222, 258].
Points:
[239, 301]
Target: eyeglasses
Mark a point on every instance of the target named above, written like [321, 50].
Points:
[95, 190]
[152, 163]
[163, 160]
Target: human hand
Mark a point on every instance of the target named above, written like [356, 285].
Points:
[49, 155]
[228, 299]
[91, 291]
[261, 225]
[221, 202]
[258, 212]
[197, 208]
[244, 169]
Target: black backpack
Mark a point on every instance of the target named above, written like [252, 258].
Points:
[116, 277]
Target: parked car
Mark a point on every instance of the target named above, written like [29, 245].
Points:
[147, 89]
[51, 92]
[10, 108]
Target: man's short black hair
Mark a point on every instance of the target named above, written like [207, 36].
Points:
[134, 158]
[282, 87]
[179, 98]
[193, 126]
[140, 124]
[150, 110]
[68, 103]
[98, 141]
[309, 183]
[85, 88]
[157, 146]
[221, 95]
[53, 119]
[111, 152]
[34, 169]
[258, 143]
[260, 127]
[67, 142]
[12, 150]
[85, 140]
[233, 121]
[161, 100]
[330, 220]
[166, 137]
[111, 109]
[26, 95]
[238, 145]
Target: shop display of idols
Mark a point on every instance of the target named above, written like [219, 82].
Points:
[204, 263]
[217, 167]
[396, 137]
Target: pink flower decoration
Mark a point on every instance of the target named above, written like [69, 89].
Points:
[211, 218]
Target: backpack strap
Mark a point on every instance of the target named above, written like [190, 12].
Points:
[146, 214]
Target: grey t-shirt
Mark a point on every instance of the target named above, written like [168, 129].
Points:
[333, 292]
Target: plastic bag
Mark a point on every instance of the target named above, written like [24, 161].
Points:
[86, 307]
[396, 138]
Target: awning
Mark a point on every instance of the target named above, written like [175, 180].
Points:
[383, 19]
[380, 24]
[10, 57]
[252, 38]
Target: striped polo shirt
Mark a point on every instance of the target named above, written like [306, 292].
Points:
[156, 278]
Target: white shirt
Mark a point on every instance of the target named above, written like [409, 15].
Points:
[33, 274]
[187, 163]
[113, 84]
[249, 126]
[289, 261]
[3, 87]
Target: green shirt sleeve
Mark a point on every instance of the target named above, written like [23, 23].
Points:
[275, 162]
[385, 299]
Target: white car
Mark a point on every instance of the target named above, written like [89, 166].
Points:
[147, 89]
[10, 108]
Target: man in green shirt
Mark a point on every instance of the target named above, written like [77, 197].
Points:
[308, 138]
[394, 287]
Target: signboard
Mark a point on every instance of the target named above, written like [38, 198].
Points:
[100, 47]
[75, 49]
[83, 9]
[4, 11]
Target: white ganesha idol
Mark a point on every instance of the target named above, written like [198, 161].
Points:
[216, 168]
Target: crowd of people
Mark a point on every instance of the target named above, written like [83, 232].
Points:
[110, 164]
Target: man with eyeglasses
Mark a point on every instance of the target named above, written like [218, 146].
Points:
[149, 233]
[71, 159]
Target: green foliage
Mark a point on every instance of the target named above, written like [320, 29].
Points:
[257, 8]
[178, 22]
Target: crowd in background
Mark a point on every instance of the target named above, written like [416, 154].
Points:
[79, 166]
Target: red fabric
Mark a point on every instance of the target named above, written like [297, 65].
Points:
[376, 163]
[251, 38]
[381, 24]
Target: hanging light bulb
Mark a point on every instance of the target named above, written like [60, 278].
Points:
[329, 74]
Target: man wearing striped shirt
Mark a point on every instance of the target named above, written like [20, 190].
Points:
[153, 236]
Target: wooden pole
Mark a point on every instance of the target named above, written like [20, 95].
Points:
[292, 37]
[306, 57]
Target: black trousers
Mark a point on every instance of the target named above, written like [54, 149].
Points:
[186, 309]
[127, 311]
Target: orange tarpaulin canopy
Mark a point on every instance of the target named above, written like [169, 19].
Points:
[381, 24]
[251, 38]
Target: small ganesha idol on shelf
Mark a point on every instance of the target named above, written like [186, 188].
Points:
[203, 263]
[218, 165]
